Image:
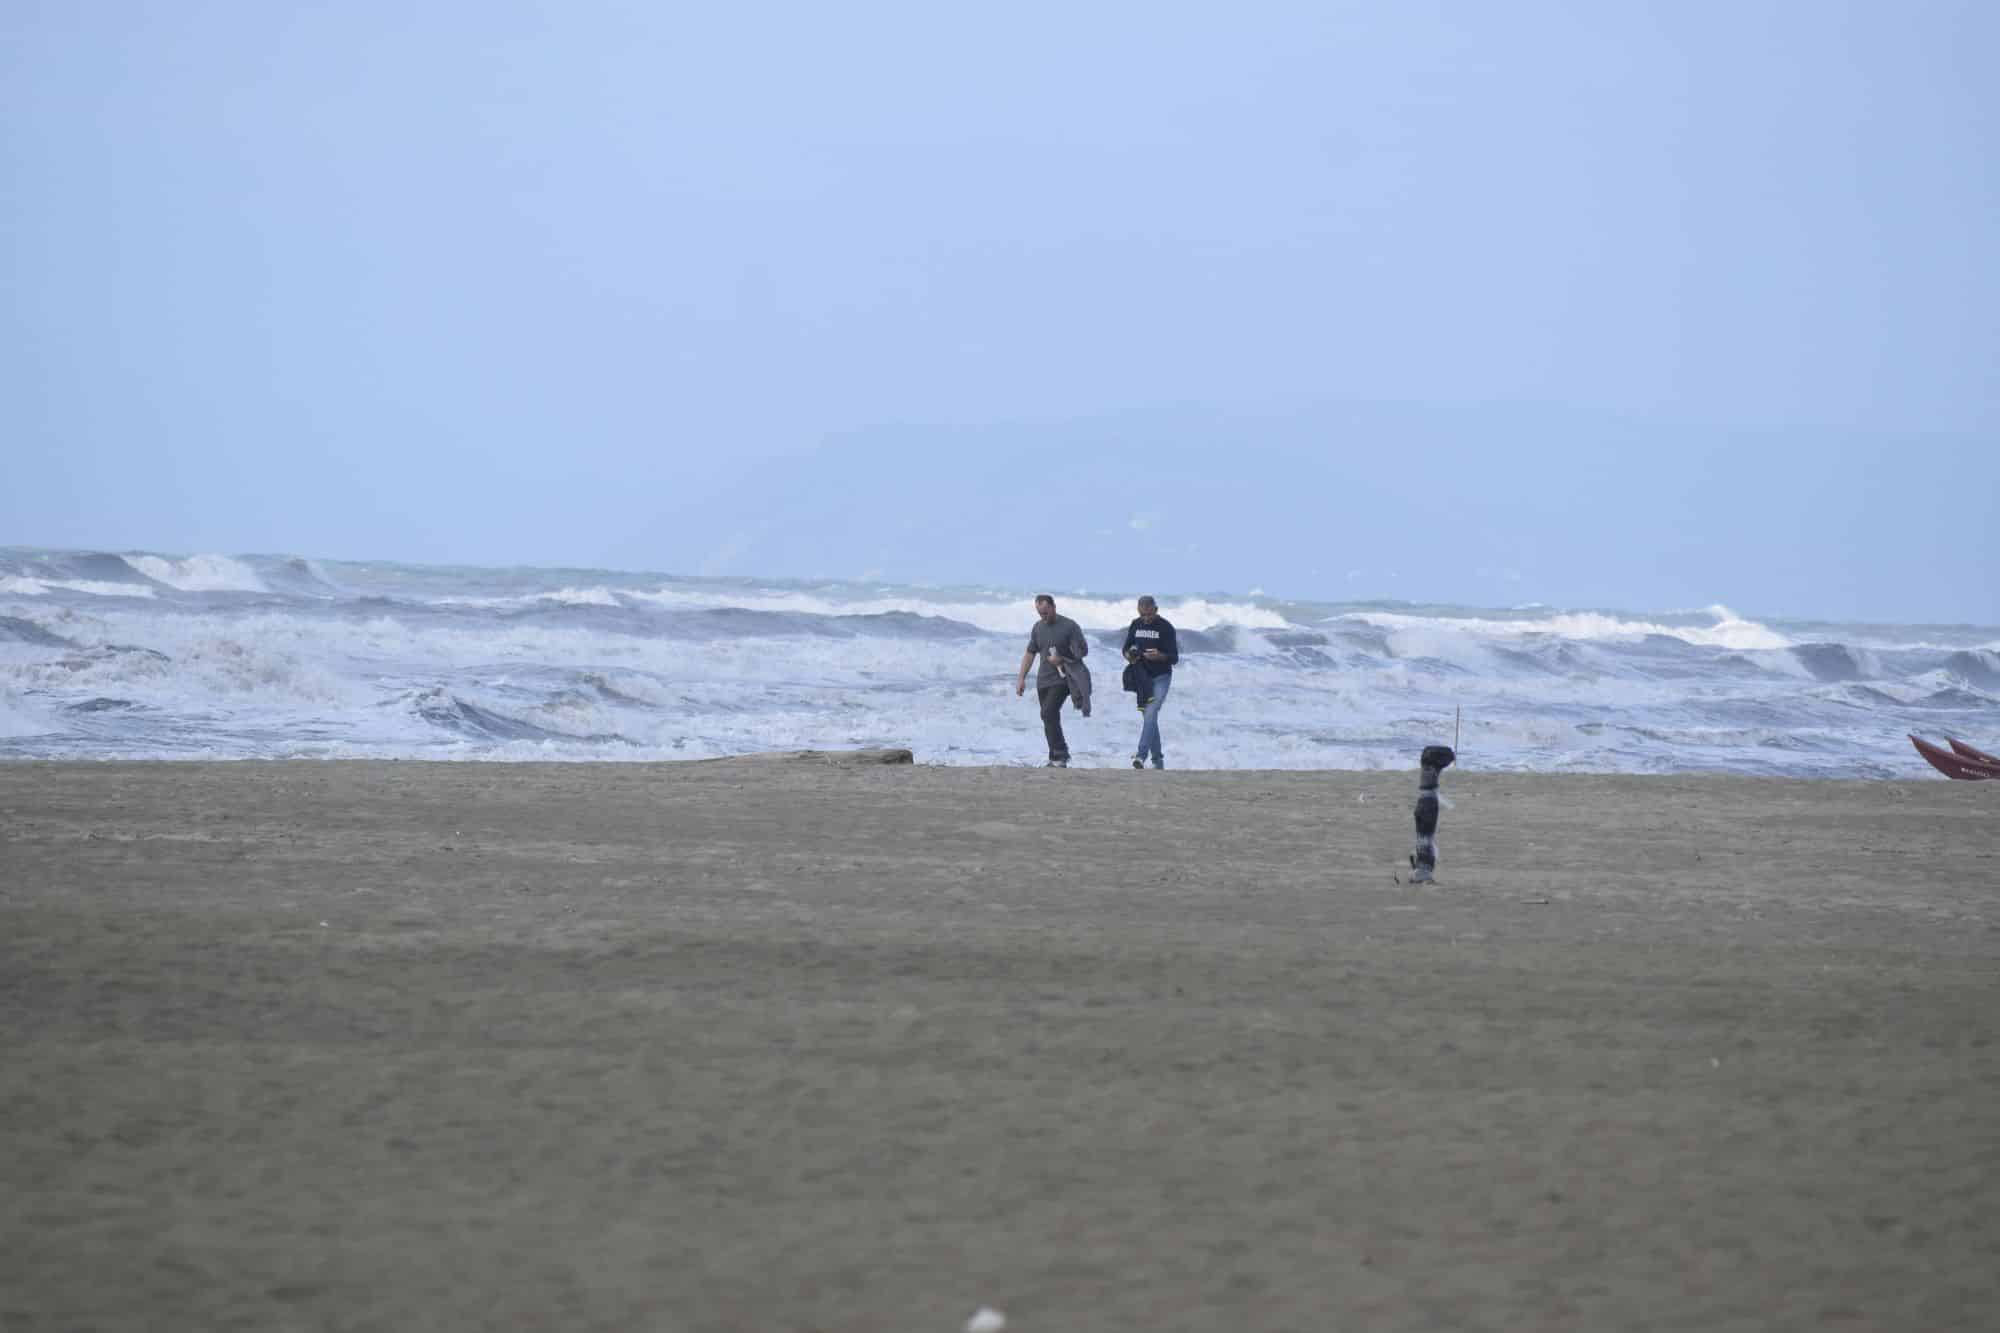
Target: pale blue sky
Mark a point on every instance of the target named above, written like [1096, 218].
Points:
[1634, 304]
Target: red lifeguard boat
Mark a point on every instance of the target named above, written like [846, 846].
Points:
[1960, 761]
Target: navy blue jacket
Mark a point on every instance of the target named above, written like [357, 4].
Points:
[1160, 635]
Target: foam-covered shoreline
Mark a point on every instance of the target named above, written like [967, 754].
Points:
[192, 657]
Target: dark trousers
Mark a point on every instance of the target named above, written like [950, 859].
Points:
[1053, 697]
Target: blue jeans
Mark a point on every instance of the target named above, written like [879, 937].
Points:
[1149, 730]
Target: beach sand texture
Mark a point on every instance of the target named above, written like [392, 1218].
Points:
[787, 1045]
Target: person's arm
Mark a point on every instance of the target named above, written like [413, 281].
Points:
[1170, 644]
[1131, 639]
[1027, 658]
[1078, 642]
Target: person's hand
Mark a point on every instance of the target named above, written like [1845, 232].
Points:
[1020, 686]
[1154, 652]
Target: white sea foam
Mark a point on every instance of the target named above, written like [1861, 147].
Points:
[18, 719]
[20, 586]
[1728, 631]
[1440, 644]
[580, 597]
[199, 573]
[558, 597]
[1017, 614]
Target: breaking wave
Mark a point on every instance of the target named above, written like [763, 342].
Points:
[198, 573]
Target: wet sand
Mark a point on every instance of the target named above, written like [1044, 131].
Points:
[788, 1045]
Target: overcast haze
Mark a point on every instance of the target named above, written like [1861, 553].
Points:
[1619, 304]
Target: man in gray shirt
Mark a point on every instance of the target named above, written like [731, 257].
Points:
[1054, 641]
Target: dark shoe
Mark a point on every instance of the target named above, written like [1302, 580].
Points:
[1057, 763]
[1138, 762]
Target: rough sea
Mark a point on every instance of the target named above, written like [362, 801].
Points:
[141, 656]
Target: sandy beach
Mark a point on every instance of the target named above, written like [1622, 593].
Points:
[785, 1044]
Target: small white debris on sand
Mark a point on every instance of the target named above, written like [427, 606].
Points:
[985, 1320]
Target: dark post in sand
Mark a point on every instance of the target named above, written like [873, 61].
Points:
[1423, 861]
